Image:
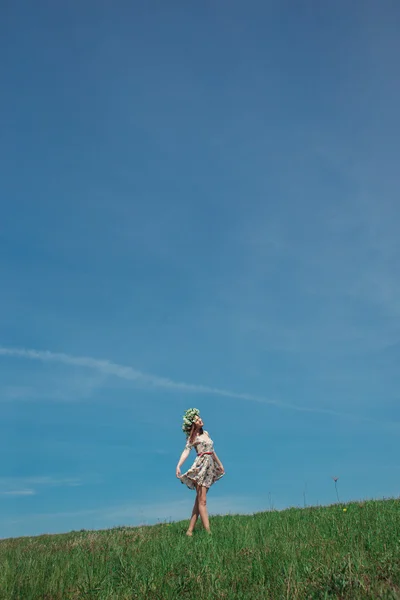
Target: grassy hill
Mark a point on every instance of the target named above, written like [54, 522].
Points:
[348, 552]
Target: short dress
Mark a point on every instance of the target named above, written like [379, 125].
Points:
[205, 470]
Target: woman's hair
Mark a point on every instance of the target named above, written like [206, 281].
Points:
[192, 433]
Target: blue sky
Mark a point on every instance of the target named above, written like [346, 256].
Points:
[199, 208]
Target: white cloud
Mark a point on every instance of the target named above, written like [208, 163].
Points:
[18, 493]
[107, 367]
[56, 388]
[54, 481]
[25, 486]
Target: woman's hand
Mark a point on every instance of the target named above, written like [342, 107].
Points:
[221, 468]
[178, 472]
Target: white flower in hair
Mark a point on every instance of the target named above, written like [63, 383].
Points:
[188, 419]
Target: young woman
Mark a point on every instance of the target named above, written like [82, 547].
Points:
[206, 469]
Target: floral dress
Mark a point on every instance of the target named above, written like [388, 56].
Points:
[205, 469]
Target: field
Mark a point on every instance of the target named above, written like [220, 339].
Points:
[341, 551]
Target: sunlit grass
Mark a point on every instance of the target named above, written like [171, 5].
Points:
[348, 552]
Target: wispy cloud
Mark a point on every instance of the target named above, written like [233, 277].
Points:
[25, 486]
[54, 481]
[110, 368]
[56, 389]
[18, 493]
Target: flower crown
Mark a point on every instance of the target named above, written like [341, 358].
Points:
[188, 419]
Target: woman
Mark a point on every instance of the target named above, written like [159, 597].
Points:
[206, 469]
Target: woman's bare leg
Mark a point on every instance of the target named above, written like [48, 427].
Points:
[202, 500]
[195, 516]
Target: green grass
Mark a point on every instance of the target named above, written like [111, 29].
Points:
[312, 553]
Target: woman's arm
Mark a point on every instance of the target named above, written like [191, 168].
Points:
[219, 463]
[182, 459]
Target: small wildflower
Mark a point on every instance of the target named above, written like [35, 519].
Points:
[345, 510]
[336, 479]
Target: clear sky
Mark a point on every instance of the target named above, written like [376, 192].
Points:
[199, 208]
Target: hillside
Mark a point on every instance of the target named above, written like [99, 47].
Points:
[347, 552]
